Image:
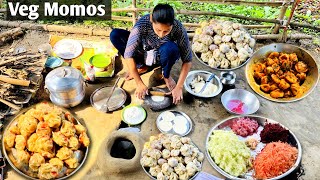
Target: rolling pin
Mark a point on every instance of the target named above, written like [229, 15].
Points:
[158, 93]
[14, 81]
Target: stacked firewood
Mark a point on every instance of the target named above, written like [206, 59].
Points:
[20, 75]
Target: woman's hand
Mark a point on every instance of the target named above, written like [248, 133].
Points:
[177, 95]
[141, 91]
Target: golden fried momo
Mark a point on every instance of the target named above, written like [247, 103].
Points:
[67, 129]
[20, 142]
[35, 161]
[64, 153]
[60, 139]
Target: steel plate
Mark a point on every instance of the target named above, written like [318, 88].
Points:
[194, 176]
[224, 125]
[99, 97]
[172, 131]
[20, 171]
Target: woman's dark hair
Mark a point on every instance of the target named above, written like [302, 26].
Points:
[163, 13]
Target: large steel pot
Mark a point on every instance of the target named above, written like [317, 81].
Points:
[312, 76]
[66, 86]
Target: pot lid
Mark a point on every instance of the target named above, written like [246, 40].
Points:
[63, 78]
[100, 96]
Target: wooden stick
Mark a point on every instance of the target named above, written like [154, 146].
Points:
[294, 24]
[11, 32]
[14, 81]
[239, 2]
[134, 16]
[157, 93]
[18, 58]
[76, 30]
[10, 35]
[245, 26]
[278, 36]
[281, 16]
[121, 18]
[9, 104]
[188, 12]
[130, 9]
[257, 26]
[273, 36]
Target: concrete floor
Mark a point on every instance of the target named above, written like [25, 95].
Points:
[300, 117]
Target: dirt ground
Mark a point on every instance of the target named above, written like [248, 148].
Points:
[300, 117]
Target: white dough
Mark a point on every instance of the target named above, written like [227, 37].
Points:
[157, 98]
[180, 120]
[198, 83]
[165, 125]
[133, 115]
[180, 128]
[168, 116]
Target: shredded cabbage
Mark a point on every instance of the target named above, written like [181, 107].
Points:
[229, 153]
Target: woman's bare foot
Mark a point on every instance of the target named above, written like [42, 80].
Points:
[141, 70]
[171, 84]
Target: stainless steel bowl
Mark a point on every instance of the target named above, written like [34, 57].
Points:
[250, 103]
[15, 119]
[224, 125]
[193, 177]
[205, 74]
[312, 76]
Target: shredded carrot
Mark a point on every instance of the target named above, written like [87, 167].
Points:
[275, 159]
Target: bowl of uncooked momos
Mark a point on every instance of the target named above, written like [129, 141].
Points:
[169, 156]
[222, 45]
[197, 79]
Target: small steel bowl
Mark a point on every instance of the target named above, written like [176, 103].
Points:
[247, 102]
[205, 74]
[228, 77]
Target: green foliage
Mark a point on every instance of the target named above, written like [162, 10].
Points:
[248, 11]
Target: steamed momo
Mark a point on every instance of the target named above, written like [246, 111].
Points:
[171, 163]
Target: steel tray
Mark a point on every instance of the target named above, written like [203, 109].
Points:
[224, 125]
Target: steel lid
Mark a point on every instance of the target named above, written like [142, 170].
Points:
[100, 96]
[64, 79]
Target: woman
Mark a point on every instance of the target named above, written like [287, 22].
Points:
[156, 39]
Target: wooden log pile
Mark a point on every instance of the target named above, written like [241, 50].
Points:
[20, 74]
[10, 35]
